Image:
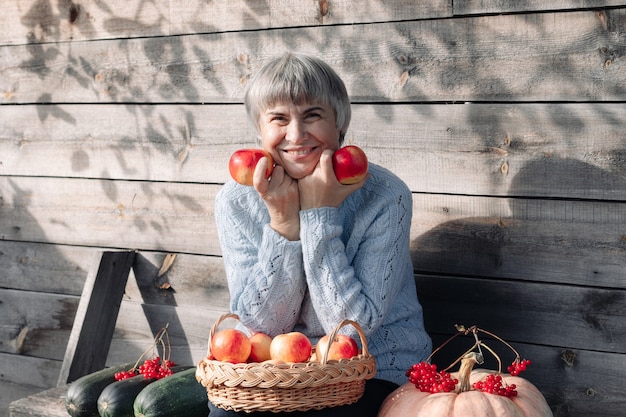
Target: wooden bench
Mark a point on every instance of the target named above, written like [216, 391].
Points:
[91, 335]
[107, 291]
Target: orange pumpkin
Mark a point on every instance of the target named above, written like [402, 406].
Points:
[408, 401]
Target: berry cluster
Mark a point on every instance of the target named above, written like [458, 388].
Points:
[518, 367]
[494, 384]
[151, 369]
[125, 374]
[426, 378]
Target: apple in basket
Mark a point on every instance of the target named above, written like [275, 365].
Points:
[343, 347]
[291, 347]
[260, 347]
[230, 345]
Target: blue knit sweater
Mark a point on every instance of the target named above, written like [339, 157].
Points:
[351, 262]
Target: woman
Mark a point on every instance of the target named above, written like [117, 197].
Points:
[302, 252]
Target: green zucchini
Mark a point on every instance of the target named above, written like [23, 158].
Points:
[82, 395]
[116, 400]
[178, 395]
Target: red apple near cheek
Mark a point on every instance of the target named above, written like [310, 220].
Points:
[350, 164]
[243, 161]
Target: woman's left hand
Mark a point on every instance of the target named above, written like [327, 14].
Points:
[321, 188]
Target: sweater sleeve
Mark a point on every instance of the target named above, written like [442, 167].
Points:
[264, 270]
[357, 275]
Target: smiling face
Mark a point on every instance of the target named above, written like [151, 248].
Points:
[299, 106]
[297, 134]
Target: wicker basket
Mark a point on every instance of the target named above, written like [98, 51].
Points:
[280, 387]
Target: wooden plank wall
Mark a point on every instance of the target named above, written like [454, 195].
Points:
[505, 118]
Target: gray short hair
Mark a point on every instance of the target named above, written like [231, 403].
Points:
[298, 78]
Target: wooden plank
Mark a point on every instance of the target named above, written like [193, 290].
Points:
[578, 242]
[35, 324]
[31, 21]
[120, 214]
[596, 389]
[31, 371]
[573, 242]
[45, 268]
[10, 392]
[94, 322]
[192, 281]
[537, 57]
[507, 6]
[49, 403]
[527, 312]
[539, 150]
[159, 143]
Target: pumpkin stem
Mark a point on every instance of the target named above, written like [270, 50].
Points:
[467, 364]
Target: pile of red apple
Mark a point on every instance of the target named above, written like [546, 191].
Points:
[349, 164]
[234, 346]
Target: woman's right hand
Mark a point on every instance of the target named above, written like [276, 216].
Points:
[281, 196]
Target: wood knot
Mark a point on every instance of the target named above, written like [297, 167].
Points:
[74, 12]
[568, 356]
[403, 59]
[323, 7]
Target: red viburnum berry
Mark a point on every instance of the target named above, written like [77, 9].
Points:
[125, 374]
[426, 378]
[494, 384]
[156, 368]
[518, 367]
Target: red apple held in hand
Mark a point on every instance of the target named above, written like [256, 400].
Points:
[350, 164]
[343, 347]
[260, 347]
[291, 347]
[243, 161]
[230, 345]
